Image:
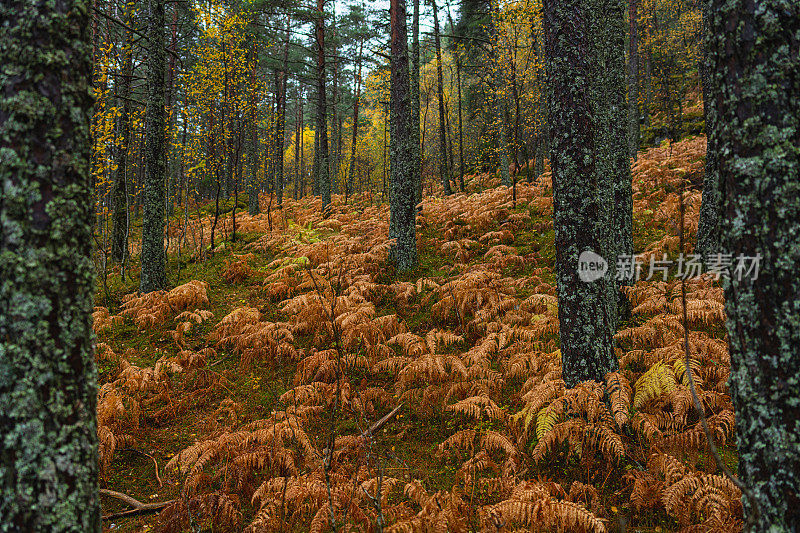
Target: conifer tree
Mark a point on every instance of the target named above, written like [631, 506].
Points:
[708, 229]
[154, 276]
[582, 189]
[321, 162]
[402, 220]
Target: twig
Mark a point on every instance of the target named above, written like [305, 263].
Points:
[155, 463]
[139, 508]
[382, 422]
[133, 30]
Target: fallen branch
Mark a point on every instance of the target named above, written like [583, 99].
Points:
[382, 422]
[139, 508]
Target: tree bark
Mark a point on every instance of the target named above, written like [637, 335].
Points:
[298, 132]
[581, 192]
[754, 51]
[499, 97]
[354, 140]
[402, 219]
[154, 275]
[615, 157]
[48, 382]
[633, 78]
[708, 229]
[333, 165]
[253, 152]
[323, 171]
[416, 147]
[281, 80]
[444, 174]
[119, 237]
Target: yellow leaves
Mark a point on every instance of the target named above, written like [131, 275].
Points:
[546, 419]
[658, 380]
[680, 370]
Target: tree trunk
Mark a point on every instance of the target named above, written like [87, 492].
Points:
[633, 78]
[754, 51]
[356, 103]
[280, 124]
[457, 54]
[253, 207]
[154, 275]
[281, 80]
[615, 157]
[298, 131]
[323, 172]
[316, 186]
[416, 146]
[402, 219]
[333, 166]
[581, 193]
[302, 149]
[708, 229]
[119, 238]
[169, 159]
[48, 382]
[444, 175]
[500, 100]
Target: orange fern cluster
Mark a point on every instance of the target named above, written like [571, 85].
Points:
[154, 307]
[469, 352]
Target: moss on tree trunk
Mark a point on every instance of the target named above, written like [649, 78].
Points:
[154, 276]
[402, 224]
[582, 187]
[754, 83]
[48, 449]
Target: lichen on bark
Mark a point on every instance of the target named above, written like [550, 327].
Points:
[153, 257]
[754, 85]
[583, 182]
[402, 223]
[48, 449]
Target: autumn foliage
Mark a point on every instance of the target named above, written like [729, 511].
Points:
[468, 347]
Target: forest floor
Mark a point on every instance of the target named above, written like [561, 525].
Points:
[244, 394]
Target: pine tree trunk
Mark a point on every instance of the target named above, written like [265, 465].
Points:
[581, 192]
[615, 158]
[316, 185]
[48, 382]
[444, 174]
[416, 147]
[460, 126]
[119, 237]
[458, 59]
[333, 166]
[403, 219]
[298, 132]
[500, 99]
[253, 206]
[633, 78]
[281, 80]
[708, 229]
[253, 152]
[754, 79]
[321, 154]
[154, 275]
[354, 140]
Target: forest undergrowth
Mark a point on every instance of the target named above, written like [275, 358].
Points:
[294, 382]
